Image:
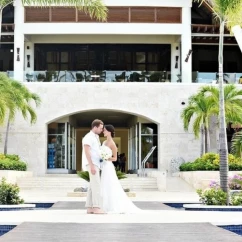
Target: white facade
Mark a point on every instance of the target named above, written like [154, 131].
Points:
[160, 103]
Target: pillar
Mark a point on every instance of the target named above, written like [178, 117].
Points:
[18, 41]
[186, 46]
[175, 62]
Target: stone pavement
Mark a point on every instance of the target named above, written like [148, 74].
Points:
[72, 205]
[118, 232]
[68, 221]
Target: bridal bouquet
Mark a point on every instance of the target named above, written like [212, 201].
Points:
[105, 153]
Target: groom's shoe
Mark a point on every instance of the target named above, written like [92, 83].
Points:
[98, 211]
[90, 211]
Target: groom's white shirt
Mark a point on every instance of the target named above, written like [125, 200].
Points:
[93, 141]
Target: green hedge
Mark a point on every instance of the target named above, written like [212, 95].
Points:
[12, 162]
[210, 162]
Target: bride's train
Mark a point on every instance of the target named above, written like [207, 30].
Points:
[115, 199]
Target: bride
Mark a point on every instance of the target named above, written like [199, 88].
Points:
[114, 198]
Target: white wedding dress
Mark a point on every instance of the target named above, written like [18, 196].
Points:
[114, 198]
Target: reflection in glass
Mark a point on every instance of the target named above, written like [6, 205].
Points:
[147, 142]
[149, 128]
[56, 151]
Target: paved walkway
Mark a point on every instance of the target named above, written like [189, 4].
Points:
[72, 205]
[50, 196]
[118, 232]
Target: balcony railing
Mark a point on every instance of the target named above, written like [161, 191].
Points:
[97, 76]
[212, 77]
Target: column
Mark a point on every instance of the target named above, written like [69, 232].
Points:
[18, 41]
[29, 61]
[186, 46]
[175, 62]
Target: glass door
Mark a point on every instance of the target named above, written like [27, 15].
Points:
[133, 148]
[71, 150]
[56, 146]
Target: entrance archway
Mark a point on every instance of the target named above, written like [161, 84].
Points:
[135, 136]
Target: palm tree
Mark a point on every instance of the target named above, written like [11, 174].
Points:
[232, 102]
[6, 103]
[224, 11]
[18, 98]
[95, 8]
[199, 110]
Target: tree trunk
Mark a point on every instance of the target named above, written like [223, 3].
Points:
[1, 16]
[6, 137]
[223, 147]
[202, 141]
[206, 139]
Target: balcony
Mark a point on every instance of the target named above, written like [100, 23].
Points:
[96, 76]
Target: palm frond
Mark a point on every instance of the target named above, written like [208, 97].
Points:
[95, 8]
[236, 146]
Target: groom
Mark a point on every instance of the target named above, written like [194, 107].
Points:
[91, 162]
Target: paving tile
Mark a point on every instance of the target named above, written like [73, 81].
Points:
[70, 205]
[119, 232]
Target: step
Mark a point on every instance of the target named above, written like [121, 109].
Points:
[68, 182]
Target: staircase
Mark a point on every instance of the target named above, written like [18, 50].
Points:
[68, 182]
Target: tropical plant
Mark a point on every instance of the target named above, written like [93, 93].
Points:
[210, 162]
[95, 8]
[236, 146]
[85, 175]
[199, 110]
[19, 98]
[224, 11]
[12, 162]
[232, 102]
[9, 193]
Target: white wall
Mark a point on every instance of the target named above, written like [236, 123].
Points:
[152, 100]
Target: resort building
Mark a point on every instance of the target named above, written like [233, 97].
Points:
[135, 71]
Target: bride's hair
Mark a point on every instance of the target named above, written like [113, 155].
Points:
[110, 129]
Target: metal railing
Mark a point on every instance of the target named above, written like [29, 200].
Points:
[212, 77]
[97, 76]
[143, 174]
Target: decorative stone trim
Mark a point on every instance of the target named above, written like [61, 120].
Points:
[17, 207]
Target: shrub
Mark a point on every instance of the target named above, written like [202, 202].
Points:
[236, 199]
[12, 162]
[85, 175]
[210, 162]
[216, 196]
[212, 196]
[9, 193]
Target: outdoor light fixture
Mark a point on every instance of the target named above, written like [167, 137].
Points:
[188, 55]
[176, 65]
[18, 49]
[28, 58]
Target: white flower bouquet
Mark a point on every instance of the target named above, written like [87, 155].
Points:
[105, 153]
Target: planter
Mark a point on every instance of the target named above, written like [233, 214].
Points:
[17, 207]
[12, 176]
[201, 207]
[84, 194]
[202, 179]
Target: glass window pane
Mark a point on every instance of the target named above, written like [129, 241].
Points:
[56, 151]
[64, 57]
[153, 57]
[149, 128]
[140, 57]
[147, 142]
